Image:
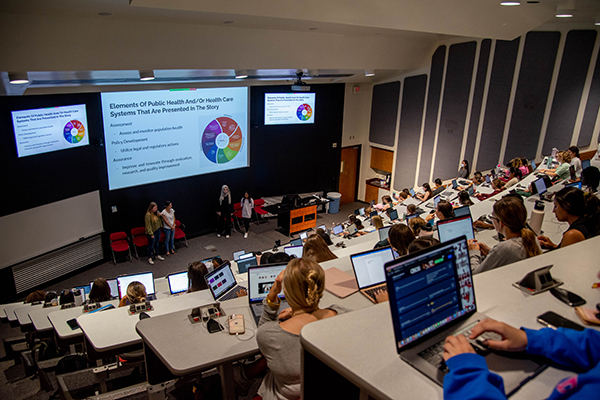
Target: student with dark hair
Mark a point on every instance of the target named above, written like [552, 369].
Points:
[411, 209]
[443, 211]
[427, 192]
[38, 295]
[357, 223]
[400, 237]
[569, 206]
[100, 291]
[509, 217]
[575, 160]
[168, 216]
[66, 297]
[386, 202]
[514, 176]
[196, 272]
[478, 178]
[401, 196]
[264, 258]
[422, 243]
[439, 187]
[464, 199]
[497, 185]
[247, 203]
[464, 171]
[325, 236]
[280, 257]
[224, 212]
[153, 224]
[316, 249]
[590, 179]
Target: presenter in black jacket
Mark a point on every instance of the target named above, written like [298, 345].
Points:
[224, 212]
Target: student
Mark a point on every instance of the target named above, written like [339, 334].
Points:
[418, 226]
[478, 178]
[463, 172]
[357, 223]
[427, 192]
[136, 293]
[400, 237]
[224, 212]
[509, 217]
[422, 243]
[443, 211]
[411, 209]
[315, 248]
[401, 196]
[377, 222]
[100, 291]
[562, 171]
[247, 203]
[497, 185]
[575, 161]
[325, 236]
[590, 179]
[38, 295]
[569, 206]
[153, 223]
[514, 176]
[386, 202]
[464, 199]
[303, 283]
[470, 378]
[168, 216]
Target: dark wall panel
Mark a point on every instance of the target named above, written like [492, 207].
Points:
[384, 113]
[484, 58]
[535, 77]
[569, 88]
[457, 87]
[503, 68]
[411, 117]
[591, 109]
[433, 102]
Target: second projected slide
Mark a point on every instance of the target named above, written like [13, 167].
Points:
[289, 108]
[152, 136]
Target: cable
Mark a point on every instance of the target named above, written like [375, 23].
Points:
[226, 330]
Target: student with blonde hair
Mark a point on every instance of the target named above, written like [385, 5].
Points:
[136, 293]
[153, 224]
[562, 171]
[416, 224]
[316, 248]
[377, 222]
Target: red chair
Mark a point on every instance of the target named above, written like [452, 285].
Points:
[179, 232]
[237, 212]
[119, 243]
[139, 239]
[258, 209]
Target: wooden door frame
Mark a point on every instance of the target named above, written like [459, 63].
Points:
[357, 168]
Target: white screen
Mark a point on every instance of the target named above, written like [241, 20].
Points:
[146, 279]
[152, 136]
[456, 228]
[294, 251]
[178, 282]
[368, 267]
[261, 279]
[289, 108]
[237, 254]
[50, 129]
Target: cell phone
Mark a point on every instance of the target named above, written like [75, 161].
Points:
[554, 321]
[73, 324]
[569, 298]
[236, 324]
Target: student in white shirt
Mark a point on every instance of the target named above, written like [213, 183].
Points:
[168, 216]
[575, 161]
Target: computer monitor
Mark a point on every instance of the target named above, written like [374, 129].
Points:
[294, 251]
[452, 228]
[237, 254]
[114, 287]
[178, 282]
[337, 229]
[540, 186]
[145, 278]
[384, 233]
[393, 214]
[462, 211]
[245, 262]
[585, 164]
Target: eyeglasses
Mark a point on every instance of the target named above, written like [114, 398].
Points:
[494, 218]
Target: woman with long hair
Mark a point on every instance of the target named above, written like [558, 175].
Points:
[247, 203]
[427, 192]
[100, 291]
[153, 223]
[168, 215]
[316, 248]
[509, 217]
[377, 222]
[136, 293]
[196, 272]
[464, 171]
[400, 237]
[224, 212]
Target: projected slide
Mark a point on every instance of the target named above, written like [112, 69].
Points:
[50, 129]
[153, 136]
[289, 108]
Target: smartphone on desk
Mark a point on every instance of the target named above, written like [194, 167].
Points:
[73, 324]
[236, 324]
[554, 321]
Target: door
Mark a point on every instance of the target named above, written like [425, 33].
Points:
[349, 174]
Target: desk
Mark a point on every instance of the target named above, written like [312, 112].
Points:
[22, 313]
[8, 305]
[366, 361]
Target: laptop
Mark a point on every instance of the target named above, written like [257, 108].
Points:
[373, 213]
[488, 180]
[393, 214]
[384, 233]
[303, 236]
[575, 184]
[369, 272]
[245, 261]
[351, 229]
[585, 164]
[237, 254]
[540, 188]
[432, 297]
[361, 211]
[178, 282]
[145, 278]
[260, 280]
[471, 190]
[409, 217]
[533, 166]
[337, 230]
[222, 283]
[296, 242]
[572, 172]
[322, 227]
[114, 287]
[454, 184]
[294, 251]
[452, 228]
[412, 192]
[356, 212]
[462, 211]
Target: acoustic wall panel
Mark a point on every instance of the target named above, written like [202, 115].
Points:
[409, 132]
[535, 77]
[503, 68]
[457, 87]
[482, 68]
[433, 101]
[591, 109]
[569, 88]
[384, 113]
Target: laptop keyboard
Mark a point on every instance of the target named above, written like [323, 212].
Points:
[433, 354]
[371, 292]
[232, 294]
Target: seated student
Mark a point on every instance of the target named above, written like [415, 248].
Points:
[400, 236]
[464, 199]
[497, 185]
[514, 176]
[34, 297]
[280, 257]
[575, 161]
[136, 293]
[357, 223]
[303, 282]
[438, 186]
[411, 209]
[478, 178]
[315, 248]
[324, 235]
[264, 258]
[469, 377]
[99, 292]
[443, 211]
[569, 206]
[196, 272]
[387, 202]
[427, 192]
[509, 217]
[463, 172]
[420, 227]
[401, 196]
[590, 179]
[422, 243]
[377, 222]
[562, 171]
[66, 297]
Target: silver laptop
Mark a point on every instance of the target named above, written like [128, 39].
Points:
[369, 272]
[222, 283]
[452, 228]
[237, 254]
[260, 280]
[246, 261]
[384, 232]
[178, 282]
[432, 297]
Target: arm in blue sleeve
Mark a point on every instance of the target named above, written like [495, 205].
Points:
[470, 378]
[567, 347]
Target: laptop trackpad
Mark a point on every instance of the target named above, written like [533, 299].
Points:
[514, 368]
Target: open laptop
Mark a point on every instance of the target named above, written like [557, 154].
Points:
[540, 188]
[303, 235]
[454, 184]
[337, 230]
[145, 278]
[412, 192]
[237, 254]
[113, 285]
[178, 282]
[452, 228]
[471, 190]
[322, 227]
[245, 261]
[296, 242]
[586, 163]
[294, 251]
[85, 291]
[369, 272]
[351, 229]
[432, 297]
[361, 211]
[384, 233]
[572, 173]
[488, 180]
[260, 280]
[462, 211]
[393, 214]
[222, 283]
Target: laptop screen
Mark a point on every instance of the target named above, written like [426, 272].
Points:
[393, 214]
[114, 287]
[540, 186]
[322, 227]
[145, 278]
[178, 282]
[338, 229]
[237, 254]
[575, 184]
[220, 280]
[373, 213]
[294, 251]
[584, 163]
[260, 280]
[245, 262]
[471, 190]
[462, 211]
[436, 200]
[449, 229]
[454, 184]
[361, 211]
[487, 179]
[429, 289]
[303, 235]
[384, 233]
[409, 217]
[297, 242]
[368, 266]
[412, 192]
[533, 166]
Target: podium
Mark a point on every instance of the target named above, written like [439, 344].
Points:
[298, 219]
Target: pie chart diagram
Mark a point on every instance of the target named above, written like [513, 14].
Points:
[304, 112]
[74, 131]
[222, 140]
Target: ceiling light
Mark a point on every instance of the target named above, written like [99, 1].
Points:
[564, 12]
[146, 75]
[18, 78]
[597, 20]
[241, 73]
[369, 72]
[510, 3]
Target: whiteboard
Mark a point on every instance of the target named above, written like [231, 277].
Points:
[36, 231]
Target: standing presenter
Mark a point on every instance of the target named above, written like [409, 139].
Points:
[224, 213]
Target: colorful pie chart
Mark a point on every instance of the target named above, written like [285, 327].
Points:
[222, 140]
[74, 131]
[304, 112]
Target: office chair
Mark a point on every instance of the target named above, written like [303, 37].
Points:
[139, 239]
[119, 243]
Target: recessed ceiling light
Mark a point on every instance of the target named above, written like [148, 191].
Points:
[369, 72]
[18, 78]
[105, 14]
[146, 75]
[228, 22]
[510, 3]
[564, 11]
[597, 23]
[241, 73]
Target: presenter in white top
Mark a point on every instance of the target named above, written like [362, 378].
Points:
[168, 216]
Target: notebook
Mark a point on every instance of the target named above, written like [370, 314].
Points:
[178, 282]
[237, 254]
[245, 261]
[222, 283]
[368, 270]
[339, 282]
[260, 280]
[114, 287]
[384, 233]
[452, 228]
[462, 211]
[294, 251]
[145, 278]
[432, 297]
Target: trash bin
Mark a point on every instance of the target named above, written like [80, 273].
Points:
[334, 204]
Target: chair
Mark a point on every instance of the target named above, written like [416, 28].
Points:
[179, 232]
[237, 212]
[258, 209]
[139, 239]
[119, 243]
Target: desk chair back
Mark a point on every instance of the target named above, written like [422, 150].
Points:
[258, 208]
[139, 239]
[179, 232]
[119, 243]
